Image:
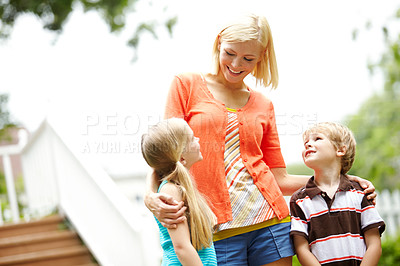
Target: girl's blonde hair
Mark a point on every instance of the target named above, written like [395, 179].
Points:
[251, 27]
[162, 148]
[339, 135]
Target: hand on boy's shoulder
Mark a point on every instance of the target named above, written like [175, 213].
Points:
[356, 185]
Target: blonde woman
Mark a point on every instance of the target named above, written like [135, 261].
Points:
[170, 148]
[243, 172]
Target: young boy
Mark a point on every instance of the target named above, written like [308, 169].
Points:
[333, 223]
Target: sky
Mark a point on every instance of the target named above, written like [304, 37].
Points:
[86, 85]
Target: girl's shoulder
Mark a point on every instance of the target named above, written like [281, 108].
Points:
[171, 189]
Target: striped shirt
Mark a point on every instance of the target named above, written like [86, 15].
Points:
[334, 227]
[249, 206]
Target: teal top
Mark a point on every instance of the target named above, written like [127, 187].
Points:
[207, 255]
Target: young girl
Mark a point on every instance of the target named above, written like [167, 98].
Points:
[170, 148]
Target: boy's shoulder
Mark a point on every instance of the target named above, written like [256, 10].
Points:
[299, 194]
[356, 185]
[348, 184]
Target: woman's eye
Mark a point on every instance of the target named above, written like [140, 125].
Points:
[228, 53]
[248, 59]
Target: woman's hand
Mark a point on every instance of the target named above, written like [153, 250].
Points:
[167, 210]
[368, 187]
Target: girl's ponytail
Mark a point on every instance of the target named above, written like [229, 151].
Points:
[200, 217]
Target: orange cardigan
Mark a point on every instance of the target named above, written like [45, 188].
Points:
[190, 99]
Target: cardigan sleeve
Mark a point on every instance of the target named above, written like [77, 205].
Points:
[176, 105]
[270, 145]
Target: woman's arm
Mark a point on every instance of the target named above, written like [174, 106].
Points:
[288, 183]
[303, 251]
[180, 235]
[374, 249]
[164, 207]
[291, 183]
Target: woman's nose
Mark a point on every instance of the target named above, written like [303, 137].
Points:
[236, 62]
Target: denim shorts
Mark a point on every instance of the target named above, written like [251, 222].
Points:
[257, 247]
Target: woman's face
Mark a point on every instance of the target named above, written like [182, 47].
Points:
[238, 59]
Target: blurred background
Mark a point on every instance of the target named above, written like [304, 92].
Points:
[98, 73]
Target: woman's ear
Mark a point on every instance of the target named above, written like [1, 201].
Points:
[341, 151]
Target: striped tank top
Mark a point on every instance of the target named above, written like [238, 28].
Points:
[249, 207]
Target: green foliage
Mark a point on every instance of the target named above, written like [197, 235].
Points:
[5, 120]
[376, 125]
[3, 186]
[390, 252]
[295, 261]
[299, 169]
[54, 14]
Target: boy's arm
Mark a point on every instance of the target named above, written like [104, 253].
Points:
[180, 235]
[167, 210]
[374, 250]
[303, 251]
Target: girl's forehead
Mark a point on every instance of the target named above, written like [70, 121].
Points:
[188, 130]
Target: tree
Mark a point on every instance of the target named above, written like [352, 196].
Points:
[54, 14]
[5, 120]
[377, 123]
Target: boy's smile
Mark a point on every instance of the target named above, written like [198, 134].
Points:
[318, 150]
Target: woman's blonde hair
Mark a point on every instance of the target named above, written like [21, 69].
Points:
[339, 135]
[162, 148]
[251, 27]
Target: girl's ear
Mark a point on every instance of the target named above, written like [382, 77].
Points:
[341, 151]
[183, 161]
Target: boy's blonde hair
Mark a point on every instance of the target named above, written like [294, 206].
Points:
[251, 27]
[162, 148]
[340, 136]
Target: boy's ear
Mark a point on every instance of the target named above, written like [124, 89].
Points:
[341, 151]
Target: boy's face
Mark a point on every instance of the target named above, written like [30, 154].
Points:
[319, 151]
